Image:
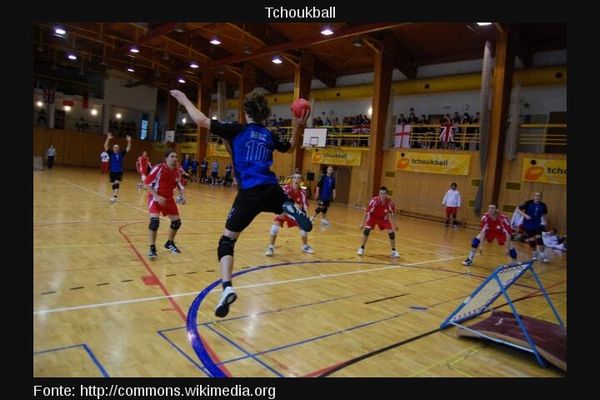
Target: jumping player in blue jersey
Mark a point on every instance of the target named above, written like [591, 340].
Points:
[251, 146]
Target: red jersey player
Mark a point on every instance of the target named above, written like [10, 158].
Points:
[298, 196]
[494, 225]
[143, 166]
[160, 183]
[378, 213]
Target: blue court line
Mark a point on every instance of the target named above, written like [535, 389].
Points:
[248, 354]
[192, 316]
[87, 349]
[162, 331]
[201, 368]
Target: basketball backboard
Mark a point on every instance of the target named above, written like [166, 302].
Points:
[315, 137]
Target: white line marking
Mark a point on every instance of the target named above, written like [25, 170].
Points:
[320, 276]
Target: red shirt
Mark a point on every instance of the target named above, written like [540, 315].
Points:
[499, 225]
[380, 209]
[297, 195]
[142, 163]
[164, 180]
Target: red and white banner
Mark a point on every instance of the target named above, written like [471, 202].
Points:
[402, 135]
[447, 133]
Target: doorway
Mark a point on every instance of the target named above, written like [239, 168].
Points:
[342, 184]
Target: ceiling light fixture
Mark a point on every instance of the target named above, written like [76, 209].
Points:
[484, 23]
[327, 31]
[134, 49]
[215, 40]
[194, 65]
[277, 60]
[181, 80]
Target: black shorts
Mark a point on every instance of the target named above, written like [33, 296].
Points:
[250, 202]
[115, 176]
[529, 233]
[324, 203]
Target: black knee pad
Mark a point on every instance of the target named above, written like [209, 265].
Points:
[539, 241]
[175, 224]
[392, 235]
[318, 210]
[531, 243]
[154, 223]
[367, 231]
[115, 186]
[225, 248]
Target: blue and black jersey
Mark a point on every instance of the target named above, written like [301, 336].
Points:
[252, 147]
[116, 160]
[326, 186]
[536, 211]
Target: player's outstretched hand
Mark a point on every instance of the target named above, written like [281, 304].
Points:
[179, 95]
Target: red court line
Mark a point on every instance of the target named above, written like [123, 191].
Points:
[166, 292]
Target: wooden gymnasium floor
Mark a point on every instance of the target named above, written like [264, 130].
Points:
[102, 308]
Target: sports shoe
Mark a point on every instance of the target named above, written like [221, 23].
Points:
[307, 249]
[269, 251]
[325, 222]
[300, 217]
[361, 251]
[227, 297]
[171, 246]
[468, 261]
[152, 253]
[113, 199]
[544, 258]
[394, 253]
[534, 256]
[454, 226]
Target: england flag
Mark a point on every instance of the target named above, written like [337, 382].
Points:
[402, 135]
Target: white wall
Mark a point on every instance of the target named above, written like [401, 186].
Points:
[142, 98]
[543, 99]
[76, 112]
[547, 58]
[452, 68]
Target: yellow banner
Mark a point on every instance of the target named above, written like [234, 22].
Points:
[217, 150]
[351, 158]
[433, 163]
[188, 148]
[546, 171]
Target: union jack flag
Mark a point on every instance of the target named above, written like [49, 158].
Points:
[446, 135]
